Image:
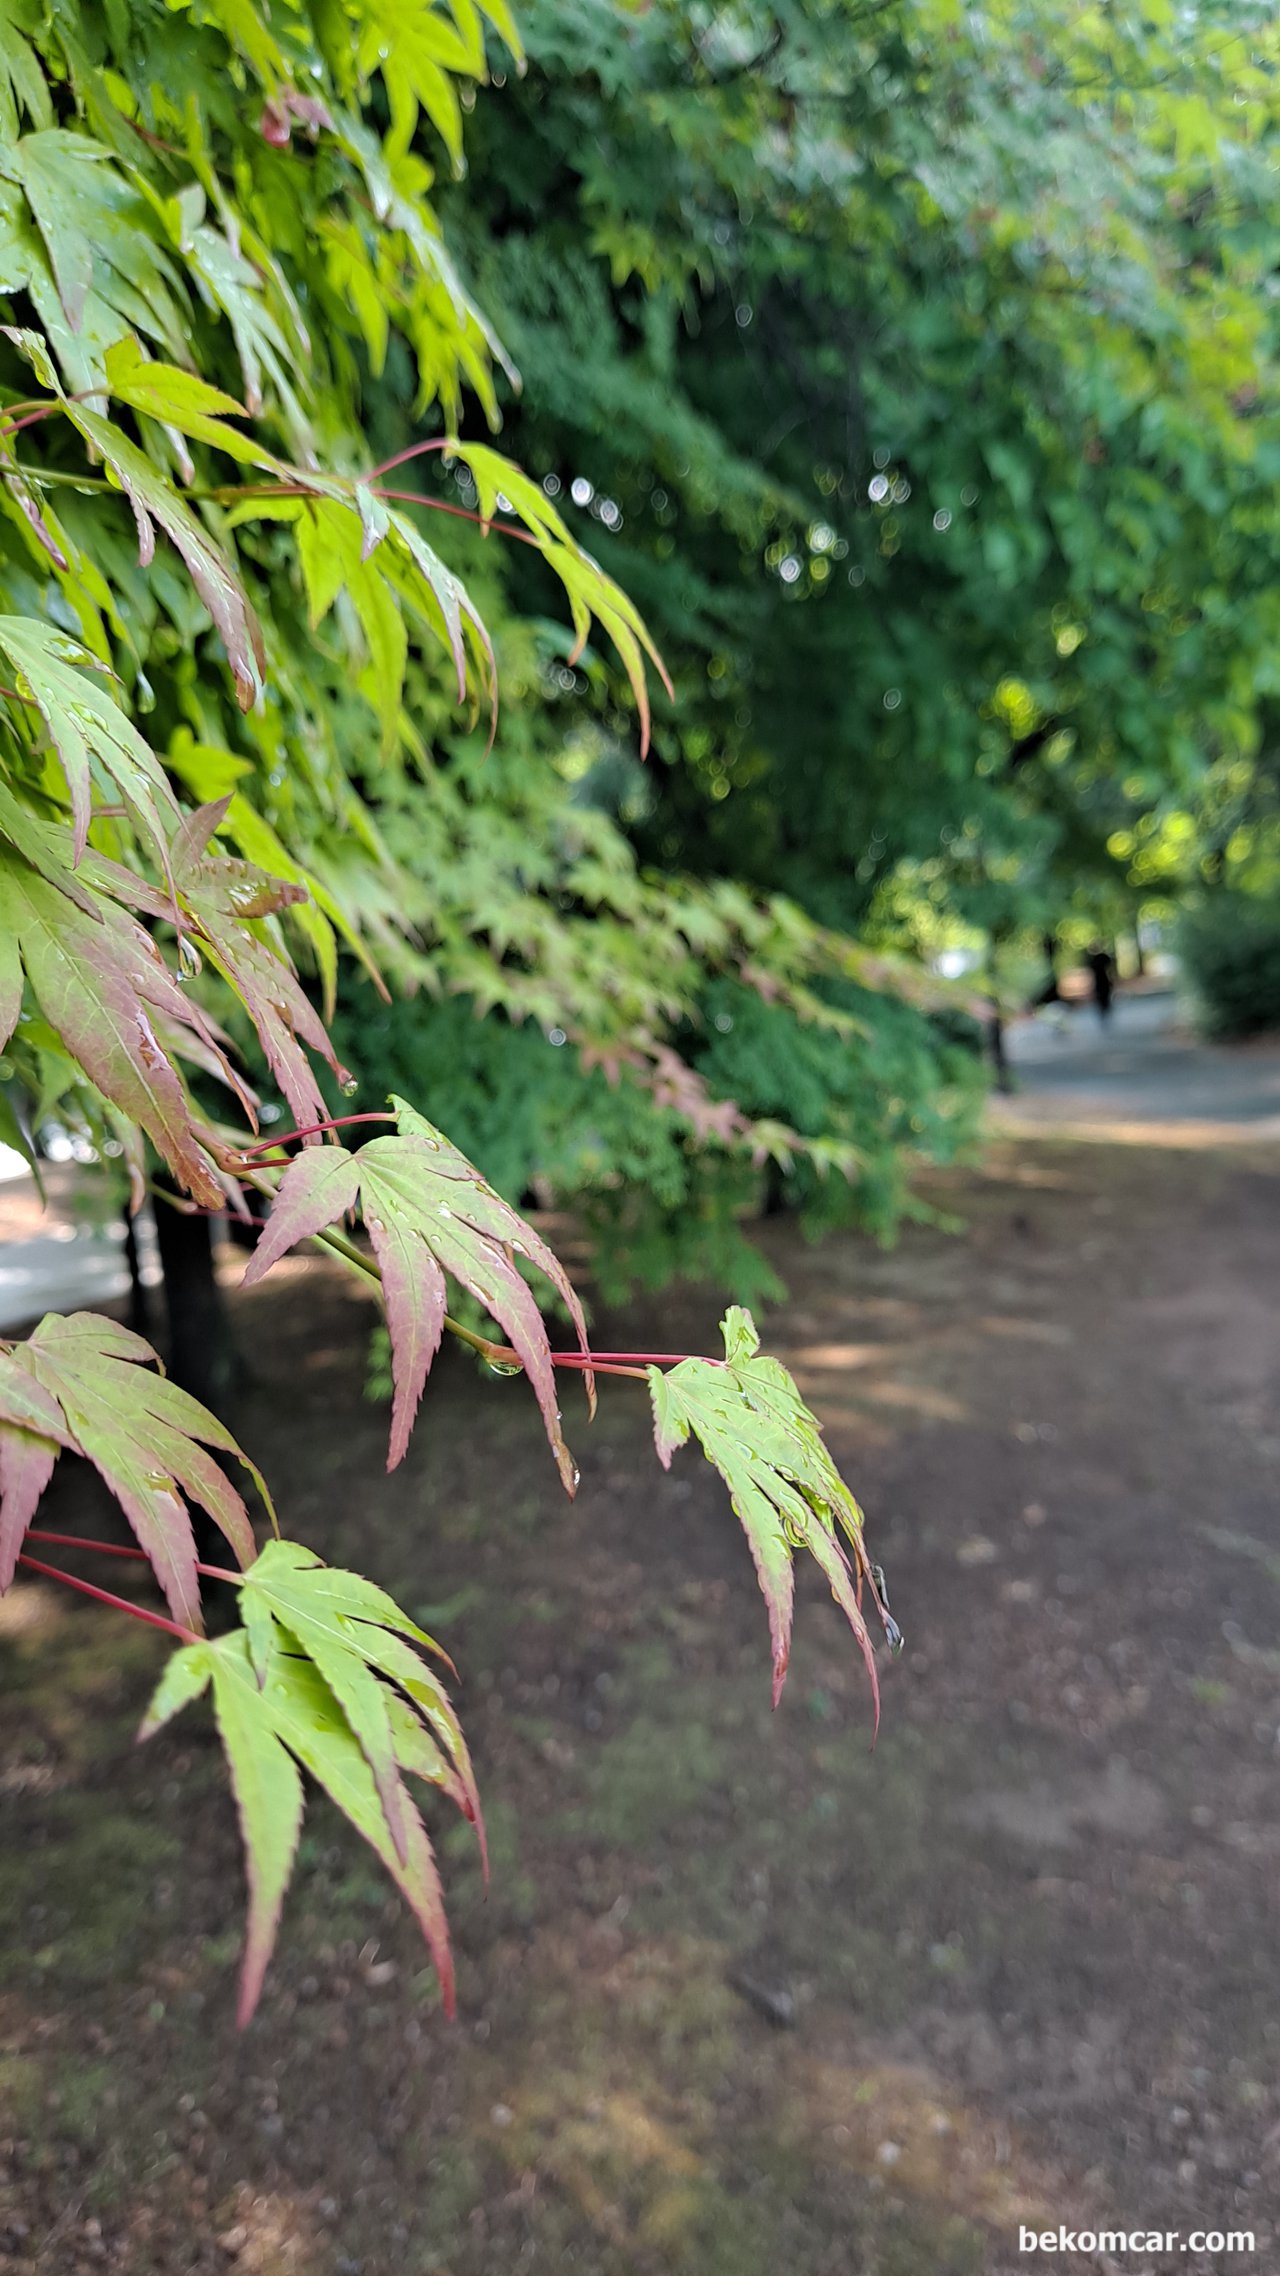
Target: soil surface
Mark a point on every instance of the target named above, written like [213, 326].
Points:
[745, 1998]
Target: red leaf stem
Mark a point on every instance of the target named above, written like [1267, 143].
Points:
[630, 1358]
[120, 1549]
[309, 1130]
[232, 1216]
[414, 450]
[32, 419]
[118, 1603]
[461, 513]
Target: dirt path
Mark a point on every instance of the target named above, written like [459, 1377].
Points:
[745, 1999]
[1145, 1078]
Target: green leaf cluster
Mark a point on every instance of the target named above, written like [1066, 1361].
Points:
[250, 718]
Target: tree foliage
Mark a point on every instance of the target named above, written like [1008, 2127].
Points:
[918, 365]
[914, 367]
[231, 746]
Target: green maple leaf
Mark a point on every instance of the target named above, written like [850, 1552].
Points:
[180, 400]
[755, 1429]
[106, 993]
[33, 1432]
[428, 1211]
[86, 1383]
[88, 729]
[103, 259]
[324, 1674]
[22, 81]
[349, 540]
[588, 590]
[155, 499]
[231, 283]
[225, 902]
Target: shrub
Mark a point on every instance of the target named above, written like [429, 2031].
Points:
[1230, 949]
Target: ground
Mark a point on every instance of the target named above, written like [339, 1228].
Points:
[746, 1998]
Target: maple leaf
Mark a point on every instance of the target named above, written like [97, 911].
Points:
[588, 590]
[154, 499]
[428, 1211]
[101, 984]
[85, 1382]
[86, 727]
[33, 1432]
[755, 1429]
[224, 901]
[340, 529]
[323, 1673]
[182, 402]
[22, 82]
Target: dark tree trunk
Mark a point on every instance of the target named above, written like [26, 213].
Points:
[201, 1353]
[201, 1356]
[999, 1056]
[139, 1302]
[775, 1199]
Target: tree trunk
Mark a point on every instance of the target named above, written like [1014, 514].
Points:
[202, 1358]
[999, 1056]
[139, 1303]
[201, 1353]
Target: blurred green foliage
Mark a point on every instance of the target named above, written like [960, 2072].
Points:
[914, 368]
[916, 365]
[1230, 947]
[901, 1086]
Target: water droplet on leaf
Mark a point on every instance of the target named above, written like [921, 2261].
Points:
[348, 1084]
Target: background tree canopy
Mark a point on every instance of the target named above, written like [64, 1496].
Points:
[917, 365]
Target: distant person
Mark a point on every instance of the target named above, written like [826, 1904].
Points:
[1050, 993]
[1049, 999]
[1102, 969]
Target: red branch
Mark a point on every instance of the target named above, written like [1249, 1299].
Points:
[628, 1358]
[310, 1130]
[461, 513]
[37, 408]
[415, 450]
[120, 1549]
[32, 419]
[118, 1603]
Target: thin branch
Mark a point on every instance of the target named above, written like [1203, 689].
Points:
[118, 1603]
[32, 419]
[461, 513]
[632, 1358]
[502, 1355]
[309, 1130]
[43, 407]
[121, 1549]
[415, 450]
[349, 1253]
[231, 1216]
[42, 476]
[236, 493]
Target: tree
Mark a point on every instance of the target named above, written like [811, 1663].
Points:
[918, 363]
[187, 195]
